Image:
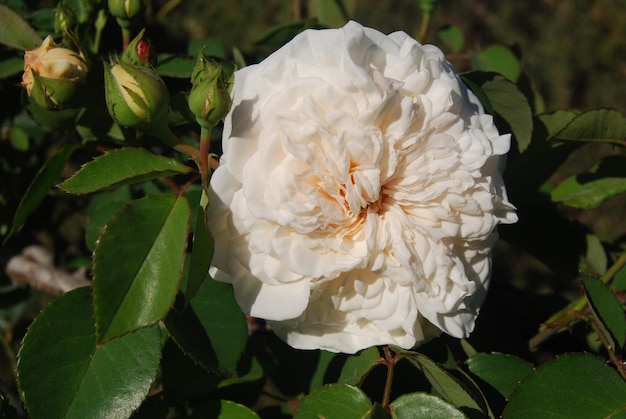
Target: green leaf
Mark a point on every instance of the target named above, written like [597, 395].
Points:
[211, 47]
[502, 371]
[423, 405]
[102, 208]
[324, 361]
[334, 13]
[44, 179]
[452, 37]
[506, 101]
[223, 321]
[572, 386]
[619, 280]
[138, 264]
[358, 366]
[377, 412]
[19, 139]
[501, 60]
[600, 125]
[587, 195]
[607, 308]
[278, 36]
[175, 66]
[337, 401]
[63, 373]
[595, 257]
[201, 255]
[123, 166]
[11, 67]
[15, 32]
[446, 385]
[557, 120]
[223, 409]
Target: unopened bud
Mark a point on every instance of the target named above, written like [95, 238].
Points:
[53, 76]
[136, 96]
[140, 52]
[209, 99]
[64, 18]
[125, 9]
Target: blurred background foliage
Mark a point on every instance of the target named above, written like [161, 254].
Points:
[574, 52]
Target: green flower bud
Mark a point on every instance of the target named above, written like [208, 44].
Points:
[140, 52]
[209, 99]
[125, 9]
[64, 18]
[136, 96]
[54, 77]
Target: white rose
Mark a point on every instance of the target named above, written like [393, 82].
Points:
[358, 194]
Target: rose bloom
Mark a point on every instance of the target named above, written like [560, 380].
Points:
[358, 194]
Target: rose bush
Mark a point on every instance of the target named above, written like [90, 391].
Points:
[358, 192]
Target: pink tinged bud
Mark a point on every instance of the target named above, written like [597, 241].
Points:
[53, 76]
[139, 52]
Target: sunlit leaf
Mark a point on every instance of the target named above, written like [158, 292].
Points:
[102, 207]
[15, 32]
[572, 386]
[452, 36]
[607, 309]
[45, 178]
[600, 125]
[63, 373]
[337, 401]
[138, 264]
[332, 13]
[358, 366]
[121, 167]
[574, 192]
[444, 383]
[506, 101]
[502, 371]
[501, 60]
[223, 409]
[423, 405]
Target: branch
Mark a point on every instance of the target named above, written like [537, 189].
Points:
[35, 267]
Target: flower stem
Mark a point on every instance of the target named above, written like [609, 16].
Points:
[125, 36]
[390, 361]
[167, 137]
[571, 314]
[427, 7]
[205, 144]
[607, 341]
[101, 21]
